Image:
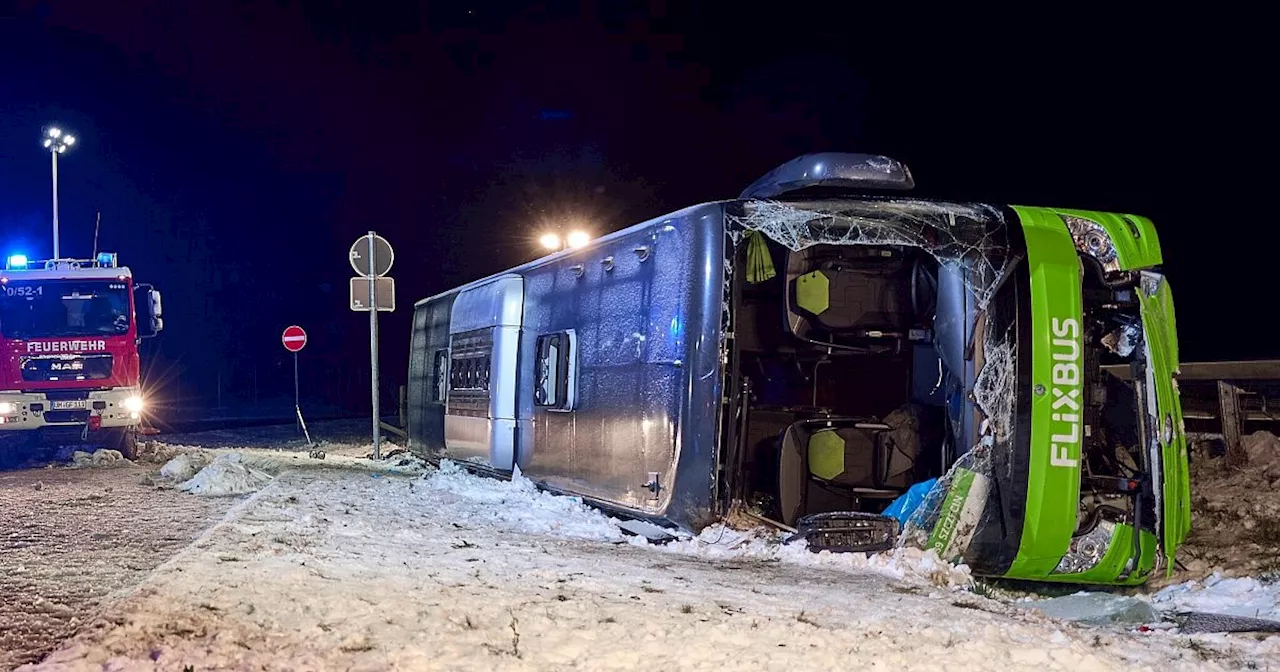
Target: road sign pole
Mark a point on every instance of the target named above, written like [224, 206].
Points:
[297, 403]
[294, 339]
[373, 349]
[371, 258]
[297, 397]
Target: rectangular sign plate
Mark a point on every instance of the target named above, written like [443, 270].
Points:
[386, 294]
[69, 404]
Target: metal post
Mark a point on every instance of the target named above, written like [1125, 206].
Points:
[1229, 410]
[297, 403]
[403, 408]
[297, 397]
[56, 251]
[373, 345]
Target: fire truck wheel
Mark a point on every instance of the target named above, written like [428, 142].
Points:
[127, 443]
[16, 448]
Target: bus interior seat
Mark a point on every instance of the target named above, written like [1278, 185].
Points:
[834, 464]
[851, 294]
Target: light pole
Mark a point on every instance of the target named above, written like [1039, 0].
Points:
[56, 142]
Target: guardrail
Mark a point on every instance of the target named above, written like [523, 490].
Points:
[1234, 385]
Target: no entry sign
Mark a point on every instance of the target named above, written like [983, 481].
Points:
[294, 339]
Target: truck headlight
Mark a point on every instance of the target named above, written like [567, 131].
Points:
[1093, 240]
[133, 404]
[7, 407]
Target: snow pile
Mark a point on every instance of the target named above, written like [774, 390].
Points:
[389, 450]
[156, 452]
[518, 505]
[907, 564]
[228, 474]
[183, 466]
[241, 471]
[98, 458]
[1246, 597]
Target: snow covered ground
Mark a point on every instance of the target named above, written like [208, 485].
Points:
[349, 563]
[1246, 596]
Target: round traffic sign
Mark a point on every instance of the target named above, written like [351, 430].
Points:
[294, 338]
[376, 266]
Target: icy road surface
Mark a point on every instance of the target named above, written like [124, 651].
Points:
[70, 538]
[341, 569]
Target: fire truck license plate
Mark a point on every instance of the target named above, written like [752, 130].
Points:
[69, 404]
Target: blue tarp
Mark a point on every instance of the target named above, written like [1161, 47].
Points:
[905, 505]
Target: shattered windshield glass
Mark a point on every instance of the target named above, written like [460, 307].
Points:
[52, 308]
[955, 234]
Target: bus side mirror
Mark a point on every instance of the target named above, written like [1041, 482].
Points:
[148, 311]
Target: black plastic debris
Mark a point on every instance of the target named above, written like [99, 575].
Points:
[1192, 622]
[847, 532]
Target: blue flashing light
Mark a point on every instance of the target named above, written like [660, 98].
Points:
[18, 261]
[107, 259]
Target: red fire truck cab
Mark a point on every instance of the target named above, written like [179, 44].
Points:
[69, 365]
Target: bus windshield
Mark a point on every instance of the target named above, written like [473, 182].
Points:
[53, 308]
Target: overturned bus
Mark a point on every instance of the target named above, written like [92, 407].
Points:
[822, 344]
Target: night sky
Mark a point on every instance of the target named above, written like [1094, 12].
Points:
[236, 149]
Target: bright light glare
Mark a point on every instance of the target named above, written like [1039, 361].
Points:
[550, 241]
[70, 139]
[579, 239]
[55, 132]
[133, 404]
[18, 261]
[47, 142]
[7, 407]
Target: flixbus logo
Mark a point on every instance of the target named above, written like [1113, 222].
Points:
[1064, 446]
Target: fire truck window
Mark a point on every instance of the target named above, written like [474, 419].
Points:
[51, 308]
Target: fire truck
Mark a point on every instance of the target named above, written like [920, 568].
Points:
[69, 365]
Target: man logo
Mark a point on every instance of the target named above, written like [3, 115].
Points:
[1064, 447]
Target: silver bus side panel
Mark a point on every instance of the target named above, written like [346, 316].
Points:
[645, 310]
[480, 413]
